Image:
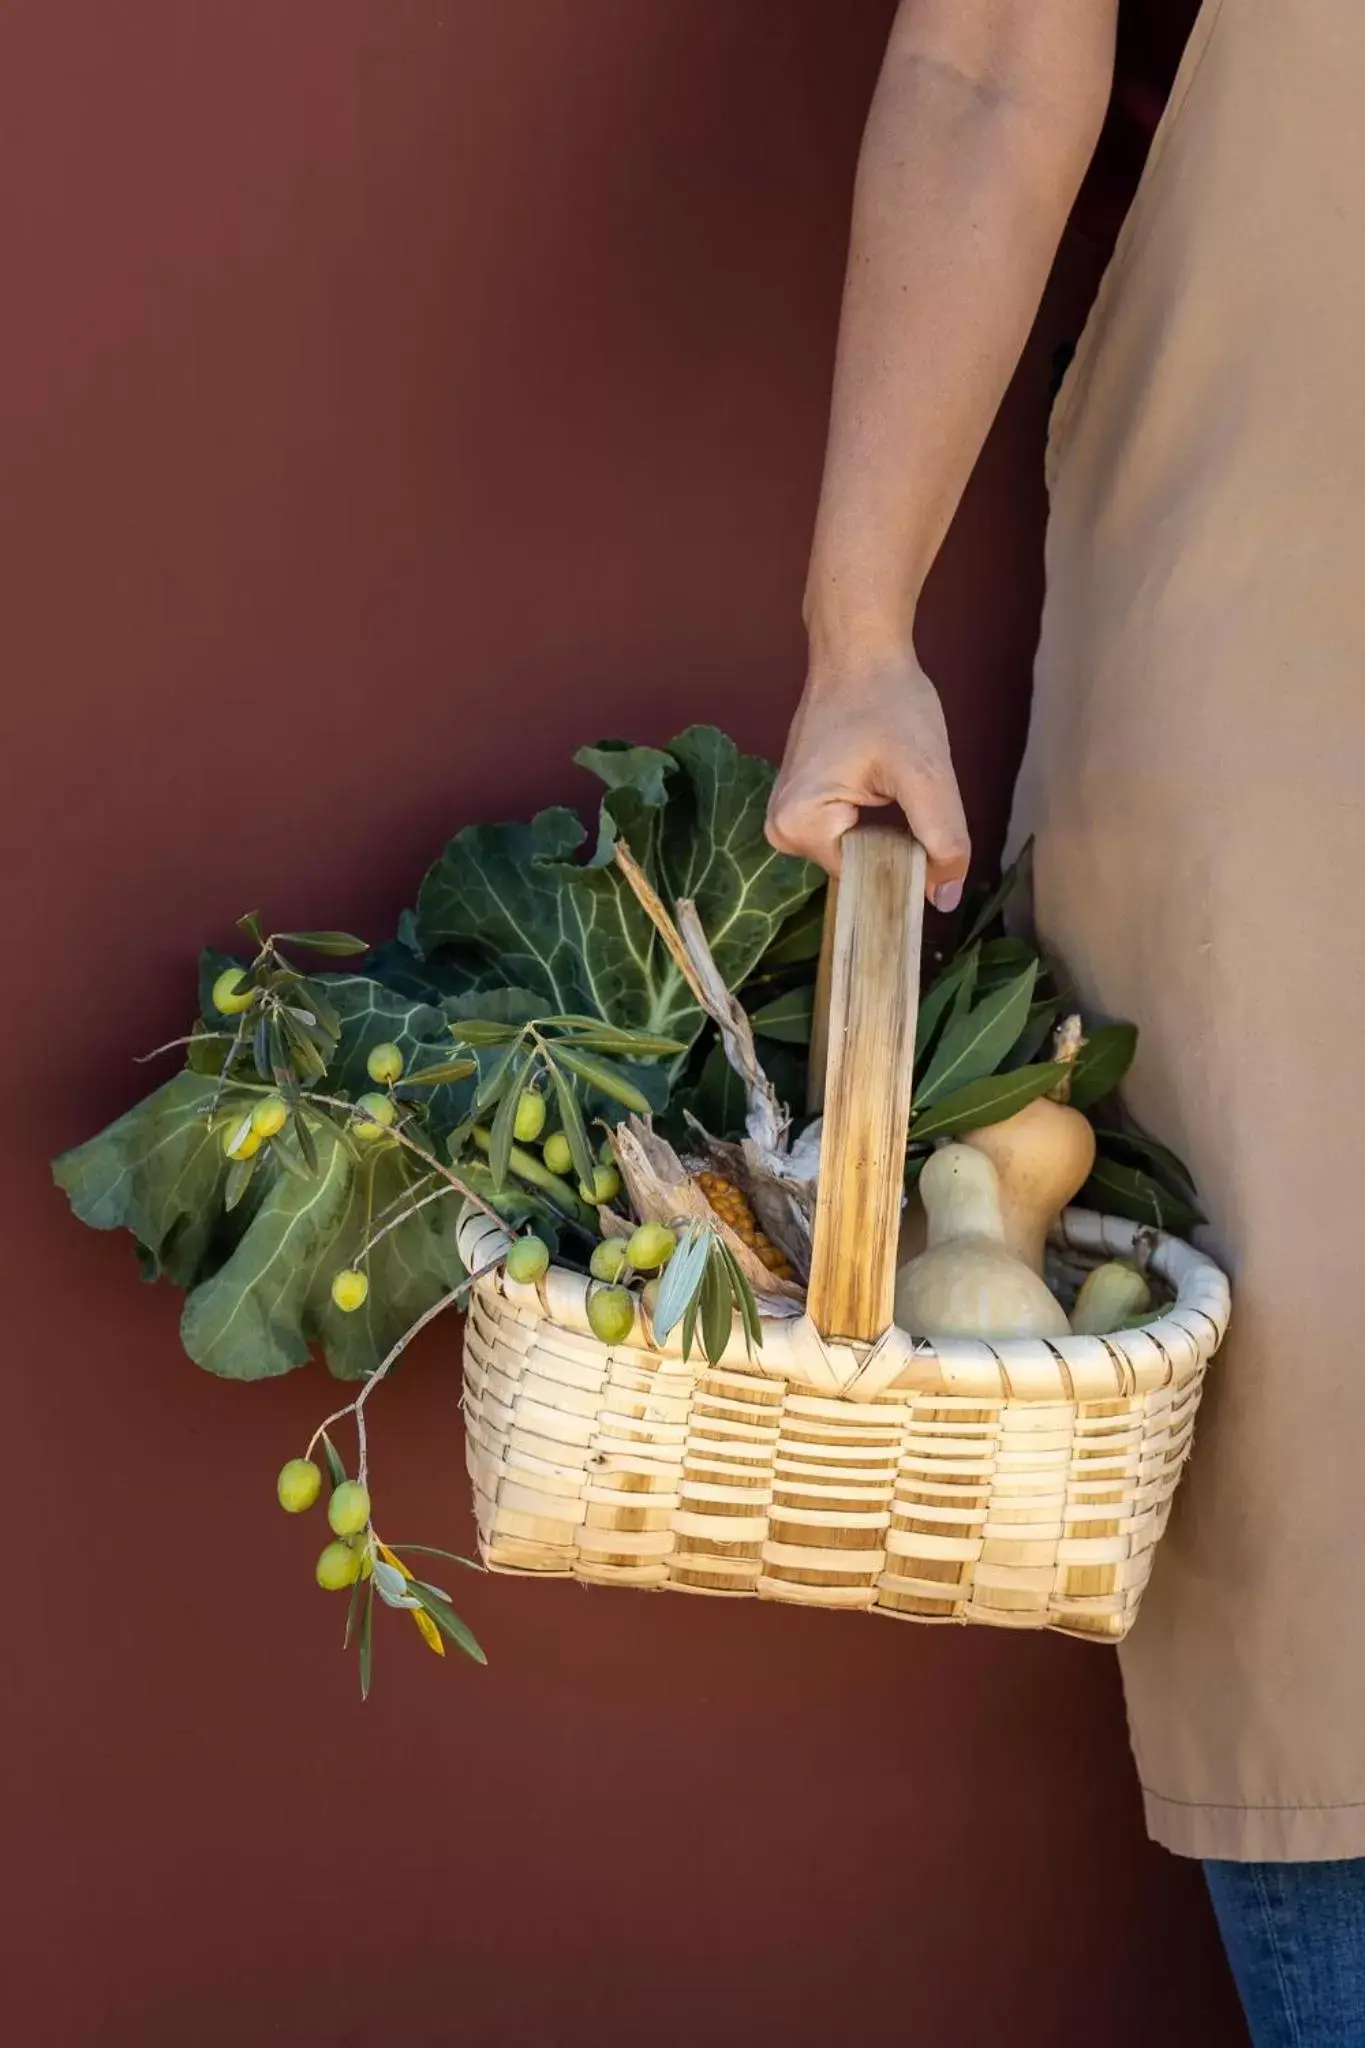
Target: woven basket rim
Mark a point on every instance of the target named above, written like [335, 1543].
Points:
[1163, 1354]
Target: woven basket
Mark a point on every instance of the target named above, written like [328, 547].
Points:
[1021, 1483]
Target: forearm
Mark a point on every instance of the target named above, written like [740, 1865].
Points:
[984, 119]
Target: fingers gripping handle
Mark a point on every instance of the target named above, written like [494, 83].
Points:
[873, 982]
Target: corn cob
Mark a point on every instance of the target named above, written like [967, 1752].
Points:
[734, 1208]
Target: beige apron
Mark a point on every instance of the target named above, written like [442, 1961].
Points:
[1196, 779]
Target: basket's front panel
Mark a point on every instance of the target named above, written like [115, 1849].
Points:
[832, 1479]
[727, 1482]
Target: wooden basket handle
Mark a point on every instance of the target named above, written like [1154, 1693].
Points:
[867, 995]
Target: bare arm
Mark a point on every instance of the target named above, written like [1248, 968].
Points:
[984, 119]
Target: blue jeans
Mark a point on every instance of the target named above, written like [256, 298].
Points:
[1295, 1937]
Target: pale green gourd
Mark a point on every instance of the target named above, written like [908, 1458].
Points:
[968, 1283]
[1109, 1299]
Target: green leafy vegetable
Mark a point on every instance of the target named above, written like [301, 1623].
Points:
[513, 896]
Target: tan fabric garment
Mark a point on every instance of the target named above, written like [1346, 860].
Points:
[1196, 779]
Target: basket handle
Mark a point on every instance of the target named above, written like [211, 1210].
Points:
[867, 996]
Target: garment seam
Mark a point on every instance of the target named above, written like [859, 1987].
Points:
[1272, 1938]
[1255, 1806]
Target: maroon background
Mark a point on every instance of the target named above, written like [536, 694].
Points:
[396, 395]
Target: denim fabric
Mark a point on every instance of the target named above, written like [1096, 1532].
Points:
[1295, 1937]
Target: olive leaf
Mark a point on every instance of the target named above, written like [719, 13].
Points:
[448, 1622]
[678, 1290]
[337, 943]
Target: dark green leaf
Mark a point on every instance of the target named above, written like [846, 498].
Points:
[1159, 1159]
[270, 1300]
[600, 1074]
[987, 1101]
[744, 1299]
[787, 1017]
[572, 930]
[478, 1033]
[973, 1045]
[999, 959]
[689, 1322]
[1035, 1034]
[307, 1149]
[448, 1622]
[493, 1085]
[427, 1550]
[341, 944]
[571, 1120]
[718, 1100]
[352, 1609]
[1101, 1063]
[444, 1070]
[999, 897]
[314, 994]
[251, 925]
[335, 1468]
[238, 1180]
[1121, 1190]
[940, 995]
[159, 1172]
[503, 1133]
[367, 1640]
[799, 939]
[633, 1044]
[260, 1047]
[717, 1307]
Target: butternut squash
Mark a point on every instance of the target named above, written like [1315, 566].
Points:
[968, 1283]
[1043, 1155]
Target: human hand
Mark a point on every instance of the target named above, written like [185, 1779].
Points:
[874, 736]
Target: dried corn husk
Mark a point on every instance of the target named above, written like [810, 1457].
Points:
[663, 1191]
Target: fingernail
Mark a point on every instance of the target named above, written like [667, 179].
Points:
[947, 896]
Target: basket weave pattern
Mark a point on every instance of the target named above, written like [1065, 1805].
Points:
[1023, 1484]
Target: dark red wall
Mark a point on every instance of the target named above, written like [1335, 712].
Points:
[395, 394]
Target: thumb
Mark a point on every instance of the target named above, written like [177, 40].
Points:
[932, 804]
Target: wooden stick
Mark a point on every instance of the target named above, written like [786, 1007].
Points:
[874, 990]
[819, 1023]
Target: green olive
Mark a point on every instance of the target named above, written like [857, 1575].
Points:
[605, 1187]
[348, 1511]
[374, 1114]
[229, 997]
[557, 1153]
[530, 1117]
[338, 1567]
[651, 1247]
[298, 1486]
[528, 1259]
[611, 1314]
[349, 1290]
[608, 1259]
[384, 1064]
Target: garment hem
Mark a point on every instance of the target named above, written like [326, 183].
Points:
[1256, 1834]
